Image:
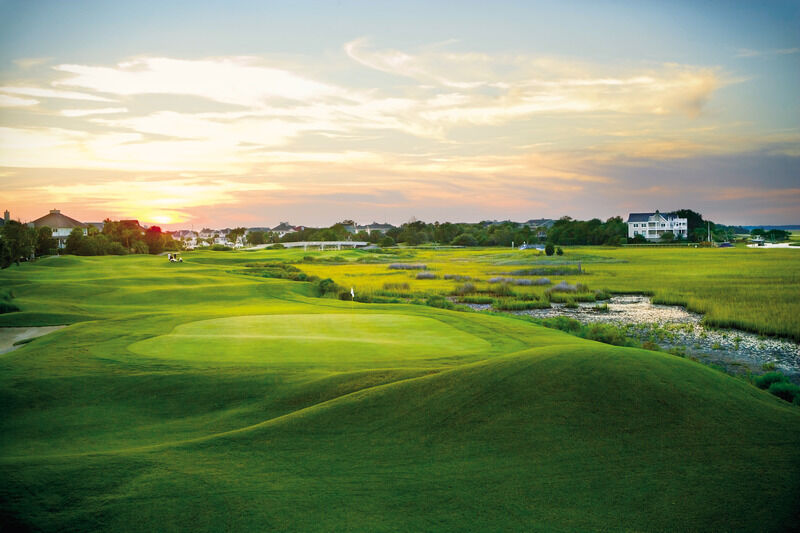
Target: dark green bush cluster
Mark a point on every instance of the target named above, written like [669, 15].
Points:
[220, 248]
[439, 301]
[327, 286]
[778, 384]
[279, 271]
[5, 301]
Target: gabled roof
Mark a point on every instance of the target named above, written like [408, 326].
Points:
[54, 219]
[283, 226]
[644, 217]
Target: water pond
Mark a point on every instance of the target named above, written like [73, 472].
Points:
[674, 327]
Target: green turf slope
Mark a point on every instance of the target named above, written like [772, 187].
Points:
[130, 420]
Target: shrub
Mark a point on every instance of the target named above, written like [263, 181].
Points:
[7, 307]
[407, 266]
[396, 286]
[426, 275]
[328, 286]
[466, 288]
[765, 381]
[602, 294]
[502, 289]
[386, 242]
[785, 390]
[559, 251]
[571, 304]
[277, 246]
[601, 308]
[439, 301]
[457, 277]
[221, 248]
[549, 249]
[465, 239]
[116, 248]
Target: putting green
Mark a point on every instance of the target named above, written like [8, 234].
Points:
[312, 338]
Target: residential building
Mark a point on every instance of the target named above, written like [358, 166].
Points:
[653, 225]
[62, 225]
[283, 228]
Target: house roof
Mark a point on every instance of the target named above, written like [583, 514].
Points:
[54, 219]
[644, 217]
[283, 226]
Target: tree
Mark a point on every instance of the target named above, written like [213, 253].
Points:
[154, 240]
[387, 241]
[45, 243]
[235, 233]
[549, 249]
[74, 241]
[667, 236]
[465, 239]
[257, 237]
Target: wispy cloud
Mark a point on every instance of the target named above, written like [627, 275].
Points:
[7, 100]
[748, 52]
[40, 92]
[89, 112]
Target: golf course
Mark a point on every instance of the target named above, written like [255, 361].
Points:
[231, 392]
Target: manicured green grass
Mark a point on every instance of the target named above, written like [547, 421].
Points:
[752, 289]
[196, 397]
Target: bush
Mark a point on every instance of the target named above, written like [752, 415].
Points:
[457, 277]
[328, 286]
[221, 248]
[765, 381]
[116, 248]
[549, 249]
[466, 288]
[386, 242]
[7, 307]
[502, 289]
[559, 251]
[407, 266]
[439, 301]
[277, 246]
[426, 275]
[396, 286]
[785, 391]
[465, 239]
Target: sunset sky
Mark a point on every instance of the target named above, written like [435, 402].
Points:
[230, 113]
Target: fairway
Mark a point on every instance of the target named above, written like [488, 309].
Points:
[312, 339]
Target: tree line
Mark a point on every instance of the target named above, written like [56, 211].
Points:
[19, 242]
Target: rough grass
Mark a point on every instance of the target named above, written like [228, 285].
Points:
[487, 423]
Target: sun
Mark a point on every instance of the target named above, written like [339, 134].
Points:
[162, 219]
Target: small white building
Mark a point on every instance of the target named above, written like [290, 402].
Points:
[653, 225]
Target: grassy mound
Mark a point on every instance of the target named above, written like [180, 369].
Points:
[341, 340]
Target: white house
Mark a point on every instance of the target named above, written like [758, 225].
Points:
[653, 225]
[61, 225]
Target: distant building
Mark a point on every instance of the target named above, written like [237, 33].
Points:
[283, 228]
[652, 226]
[369, 228]
[62, 225]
